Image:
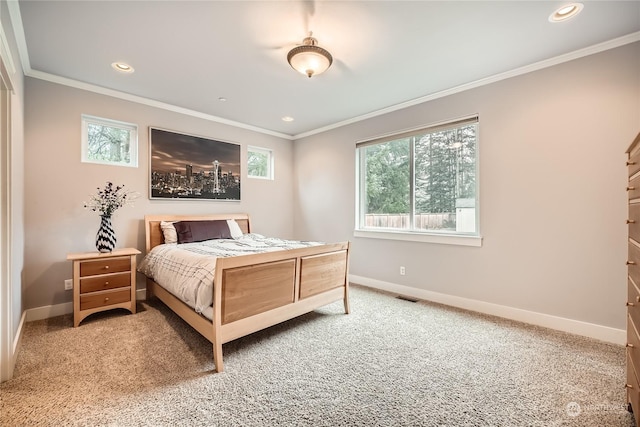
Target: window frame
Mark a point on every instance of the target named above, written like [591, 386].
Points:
[270, 162]
[132, 128]
[411, 234]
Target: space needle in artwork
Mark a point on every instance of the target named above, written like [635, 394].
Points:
[216, 182]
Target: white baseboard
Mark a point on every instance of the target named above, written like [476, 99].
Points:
[17, 341]
[48, 311]
[591, 330]
[18, 338]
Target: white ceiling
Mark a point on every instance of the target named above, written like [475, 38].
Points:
[387, 54]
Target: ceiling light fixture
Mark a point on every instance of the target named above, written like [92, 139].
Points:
[566, 12]
[309, 58]
[287, 119]
[122, 67]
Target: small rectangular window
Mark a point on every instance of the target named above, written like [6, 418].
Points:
[259, 163]
[109, 142]
[422, 181]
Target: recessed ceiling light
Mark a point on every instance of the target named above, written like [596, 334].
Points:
[565, 12]
[122, 67]
[222, 99]
[287, 119]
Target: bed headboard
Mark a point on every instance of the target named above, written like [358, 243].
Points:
[153, 232]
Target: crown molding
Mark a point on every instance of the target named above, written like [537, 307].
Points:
[16, 21]
[149, 102]
[18, 33]
[591, 50]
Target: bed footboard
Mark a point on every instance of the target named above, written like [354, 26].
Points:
[257, 283]
[253, 292]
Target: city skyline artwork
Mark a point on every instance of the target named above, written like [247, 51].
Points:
[193, 167]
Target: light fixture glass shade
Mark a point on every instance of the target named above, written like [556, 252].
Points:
[309, 59]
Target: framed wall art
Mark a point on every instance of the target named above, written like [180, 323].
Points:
[193, 167]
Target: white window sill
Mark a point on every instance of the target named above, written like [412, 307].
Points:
[444, 239]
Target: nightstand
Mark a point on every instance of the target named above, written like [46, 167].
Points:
[103, 281]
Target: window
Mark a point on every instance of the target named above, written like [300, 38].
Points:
[109, 142]
[420, 185]
[259, 163]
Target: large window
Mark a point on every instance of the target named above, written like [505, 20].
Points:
[109, 142]
[422, 182]
[259, 163]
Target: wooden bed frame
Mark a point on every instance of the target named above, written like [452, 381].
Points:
[253, 292]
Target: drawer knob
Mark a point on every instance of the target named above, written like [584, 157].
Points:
[631, 163]
[106, 299]
[631, 263]
[630, 304]
[629, 345]
[628, 386]
[638, 298]
[106, 267]
[631, 221]
[106, 283]
[631, 188]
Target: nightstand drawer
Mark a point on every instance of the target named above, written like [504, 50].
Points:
[105, 282]
[103, 266]
[103, 299]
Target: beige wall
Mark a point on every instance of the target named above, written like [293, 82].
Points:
[552, 191]
[57, 182]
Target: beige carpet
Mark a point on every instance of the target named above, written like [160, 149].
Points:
[389, 363]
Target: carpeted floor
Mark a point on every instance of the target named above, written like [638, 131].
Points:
[389, 363]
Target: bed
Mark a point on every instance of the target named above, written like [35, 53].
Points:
[251, 292]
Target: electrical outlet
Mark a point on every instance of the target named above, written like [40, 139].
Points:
[68, 284]
[402, 270]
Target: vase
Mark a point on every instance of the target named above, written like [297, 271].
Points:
[106, 237]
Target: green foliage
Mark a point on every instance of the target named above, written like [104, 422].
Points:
[387, 177]
[444, 171]
[257, 163]
[107, 144]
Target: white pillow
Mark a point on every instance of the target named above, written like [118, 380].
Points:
[169, 232]
[234, 229]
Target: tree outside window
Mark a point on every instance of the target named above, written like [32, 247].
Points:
[259, 163]
[420, 181]
[109, 142]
